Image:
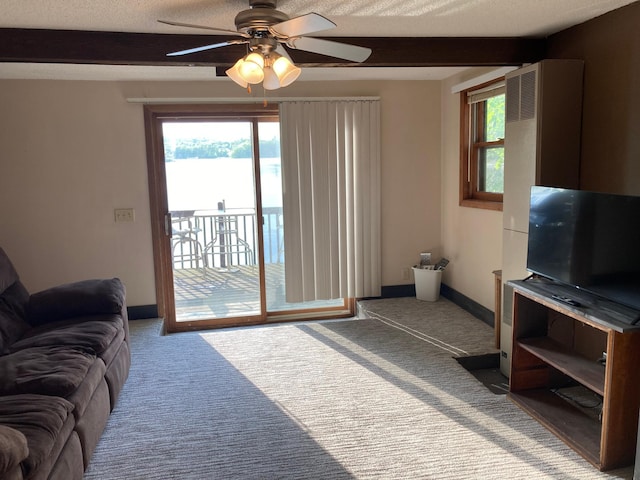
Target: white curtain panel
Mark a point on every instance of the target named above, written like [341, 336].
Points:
[330, 154]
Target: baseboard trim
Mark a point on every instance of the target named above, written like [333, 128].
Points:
[464, 302]
[390, 291]
[395, 291]
[142, 311]
[471, 306]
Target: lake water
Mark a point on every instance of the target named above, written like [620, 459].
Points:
[200, 183]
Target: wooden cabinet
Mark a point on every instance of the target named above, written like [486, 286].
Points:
[560, 376]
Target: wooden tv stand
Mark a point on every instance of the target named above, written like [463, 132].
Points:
[556, 349]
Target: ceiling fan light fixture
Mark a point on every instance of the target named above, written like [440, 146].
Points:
[271, 80]
[263, 29]
[256, 58]
[234, 74]
[251, 68]
[286, 71]
[272, 69]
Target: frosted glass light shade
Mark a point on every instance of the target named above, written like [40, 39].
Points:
[250, 70]
[234, 74]
[286, 71]
[271, 81]
[255, 58]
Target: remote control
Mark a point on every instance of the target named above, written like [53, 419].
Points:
[568, 300]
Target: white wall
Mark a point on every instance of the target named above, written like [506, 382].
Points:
[71, 153]
[472, 237]
[74, 151]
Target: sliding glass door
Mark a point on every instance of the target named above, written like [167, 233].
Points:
[216, 187]
[273, 226]
[212, 203]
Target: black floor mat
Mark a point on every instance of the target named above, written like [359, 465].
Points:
[486, 368]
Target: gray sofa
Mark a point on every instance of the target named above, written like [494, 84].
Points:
[64, 357]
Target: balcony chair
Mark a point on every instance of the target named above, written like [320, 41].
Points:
[186, 249]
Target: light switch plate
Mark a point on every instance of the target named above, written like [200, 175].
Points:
[124, 215]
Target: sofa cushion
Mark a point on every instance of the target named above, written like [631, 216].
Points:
[44, 370]
[92, 334]
[88, 297]
[11, 329]
[40, 419]
[13, 302]
[13, 448]
[8, 274]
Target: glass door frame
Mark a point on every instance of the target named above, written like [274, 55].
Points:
[154, 116]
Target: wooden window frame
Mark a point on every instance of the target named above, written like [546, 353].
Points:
[470, 150]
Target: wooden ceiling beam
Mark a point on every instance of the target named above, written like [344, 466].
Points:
[119, 48]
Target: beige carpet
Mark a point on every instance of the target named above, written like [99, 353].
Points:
[376, 398]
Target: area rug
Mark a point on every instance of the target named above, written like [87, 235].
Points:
[354, 399]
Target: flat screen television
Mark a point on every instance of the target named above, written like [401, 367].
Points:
[587, 240]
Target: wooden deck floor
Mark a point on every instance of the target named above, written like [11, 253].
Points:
[207, 293]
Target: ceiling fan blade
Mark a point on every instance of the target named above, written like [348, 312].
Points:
[283, 51]
[332, 49]
[205, 47]
[223, 31]
[302, 25]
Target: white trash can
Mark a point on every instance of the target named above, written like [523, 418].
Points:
[427, 284]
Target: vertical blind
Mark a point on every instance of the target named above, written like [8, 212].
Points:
[330, 154]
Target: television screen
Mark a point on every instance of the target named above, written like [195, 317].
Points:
[587, 240]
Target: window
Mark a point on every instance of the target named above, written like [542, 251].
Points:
[482, 146]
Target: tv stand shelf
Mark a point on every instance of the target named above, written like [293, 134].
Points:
[578, 430]
[558, 347]
[595, 309]
[587, 372]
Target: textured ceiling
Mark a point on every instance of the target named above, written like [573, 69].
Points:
[372, 18]
[361, 18]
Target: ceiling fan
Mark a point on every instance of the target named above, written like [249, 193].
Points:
[264, 29]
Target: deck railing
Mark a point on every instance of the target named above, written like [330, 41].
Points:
[223, 239]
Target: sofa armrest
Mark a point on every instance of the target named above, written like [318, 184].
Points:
[13, 449]
[84, 298]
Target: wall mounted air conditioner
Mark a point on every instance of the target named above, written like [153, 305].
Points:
[542, 147]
